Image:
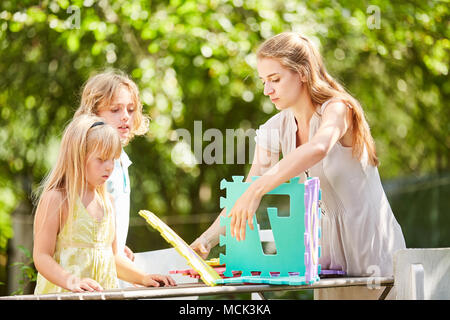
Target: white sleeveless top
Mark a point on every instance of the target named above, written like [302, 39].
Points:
[359, 231]
[118, 184]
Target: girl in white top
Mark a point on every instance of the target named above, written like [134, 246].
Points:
[321, 131]
[113, 96]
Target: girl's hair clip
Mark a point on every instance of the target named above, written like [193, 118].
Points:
[98, 123]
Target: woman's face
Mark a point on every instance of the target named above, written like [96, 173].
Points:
[120, 113]
[283, 86]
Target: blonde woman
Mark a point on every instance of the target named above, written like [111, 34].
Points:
[113, 96]
[321, 131]
[74, 229]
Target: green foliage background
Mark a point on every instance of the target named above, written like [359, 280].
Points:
[194, 60]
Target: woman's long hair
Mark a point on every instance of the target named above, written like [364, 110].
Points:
[298, 54]
[80, 140]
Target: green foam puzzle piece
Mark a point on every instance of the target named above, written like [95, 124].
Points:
[288, 232]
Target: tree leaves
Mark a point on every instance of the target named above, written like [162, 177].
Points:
[194, 61]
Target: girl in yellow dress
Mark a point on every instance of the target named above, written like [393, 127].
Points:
[74, 232]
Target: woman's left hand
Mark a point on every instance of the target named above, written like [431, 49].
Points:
[243, 210]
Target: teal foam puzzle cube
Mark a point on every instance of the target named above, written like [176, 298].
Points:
[296, 237]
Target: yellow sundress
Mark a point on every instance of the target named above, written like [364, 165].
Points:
[84, 248]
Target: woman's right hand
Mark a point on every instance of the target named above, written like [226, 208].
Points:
[201, 246]
[82, 285]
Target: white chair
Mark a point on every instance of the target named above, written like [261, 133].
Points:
[422, 274]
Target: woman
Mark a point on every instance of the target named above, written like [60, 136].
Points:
[321, 131]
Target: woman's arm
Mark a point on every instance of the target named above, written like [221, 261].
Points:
[46, 227]
[263, 160]
[335, 123]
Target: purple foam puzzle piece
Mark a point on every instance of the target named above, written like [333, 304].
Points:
[312, 212]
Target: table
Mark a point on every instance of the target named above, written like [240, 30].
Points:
[200, 289]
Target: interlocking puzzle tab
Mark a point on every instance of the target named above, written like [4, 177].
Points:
[296, 237]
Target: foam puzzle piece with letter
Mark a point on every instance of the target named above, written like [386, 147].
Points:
[296, 237]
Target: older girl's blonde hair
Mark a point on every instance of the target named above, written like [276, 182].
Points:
[98, 92]
[298, 54]
[81, 140]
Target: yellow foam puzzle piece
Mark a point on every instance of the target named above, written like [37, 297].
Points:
[207, 273]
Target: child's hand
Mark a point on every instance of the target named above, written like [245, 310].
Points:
[85, 284]
[201, 246]
[155, 280]
[128, 253]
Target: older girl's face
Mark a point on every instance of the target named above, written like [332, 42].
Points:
[120, 113]
[283, 86]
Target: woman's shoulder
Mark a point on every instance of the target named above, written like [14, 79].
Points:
[333, 104]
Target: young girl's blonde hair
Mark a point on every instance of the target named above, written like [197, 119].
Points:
[98, 92]
[298, 54]
[81, 140]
